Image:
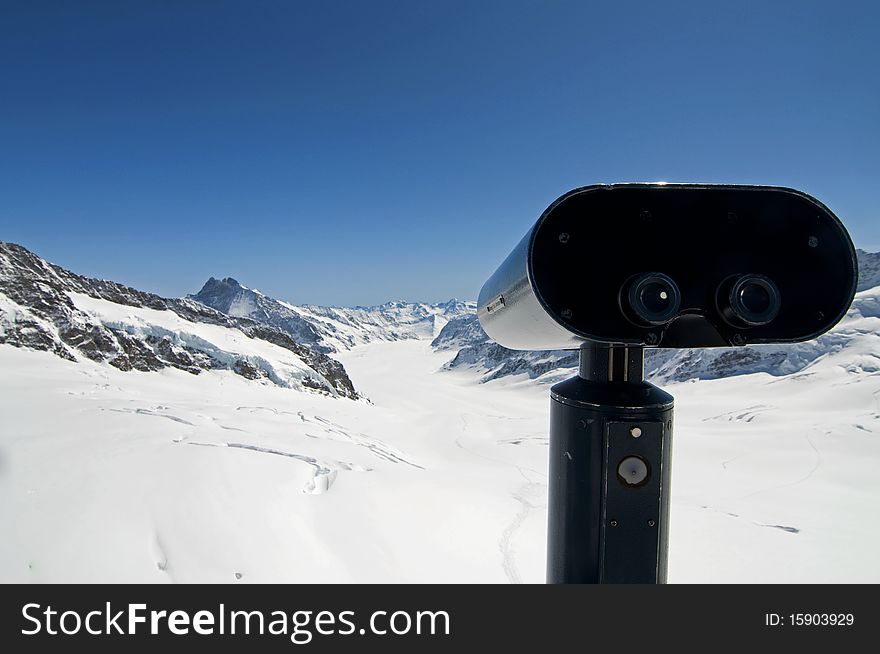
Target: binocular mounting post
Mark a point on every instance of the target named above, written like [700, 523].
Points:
[610, 453]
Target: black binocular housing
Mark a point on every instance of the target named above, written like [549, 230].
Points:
[673, 265]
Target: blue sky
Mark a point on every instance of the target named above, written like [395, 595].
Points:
[354, 152]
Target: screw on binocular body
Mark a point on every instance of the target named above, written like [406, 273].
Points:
[739, 339]
[813, 241]
[564, 237]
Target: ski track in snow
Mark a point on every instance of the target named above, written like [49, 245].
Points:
[272, 410]
[523, 495]
[730, 514]
[742, 415]
[724, 464]
[377, 447]
[806, 477]
[324, 472]
[159, 554]
[152, 412]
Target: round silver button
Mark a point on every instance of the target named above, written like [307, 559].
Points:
[633, 471]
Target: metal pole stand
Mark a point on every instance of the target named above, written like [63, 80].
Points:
[610, 446]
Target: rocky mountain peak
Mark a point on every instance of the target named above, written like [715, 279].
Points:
[227, 283]
[45, 307]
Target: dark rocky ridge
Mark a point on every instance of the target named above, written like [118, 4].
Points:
[53, 323]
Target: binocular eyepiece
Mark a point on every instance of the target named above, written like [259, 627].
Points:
[651, 299]
[748, 300]
[673, 265]
[742, 300]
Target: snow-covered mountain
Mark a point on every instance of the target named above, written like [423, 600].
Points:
[332, 329]
[45, 307]
[869, 269]
[343, 328]
[229, 297]
[856, 333]
[478, 352]
[854, 342]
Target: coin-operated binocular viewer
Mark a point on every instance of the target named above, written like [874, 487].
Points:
[612, 269]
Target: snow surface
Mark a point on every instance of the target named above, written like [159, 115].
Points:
[165, 476]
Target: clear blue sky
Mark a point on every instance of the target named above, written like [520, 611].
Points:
[354, 152]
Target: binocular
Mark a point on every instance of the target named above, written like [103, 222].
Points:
[613, 269]
[673, 265]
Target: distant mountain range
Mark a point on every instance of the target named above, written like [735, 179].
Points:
[332, 329]
[225, 326]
